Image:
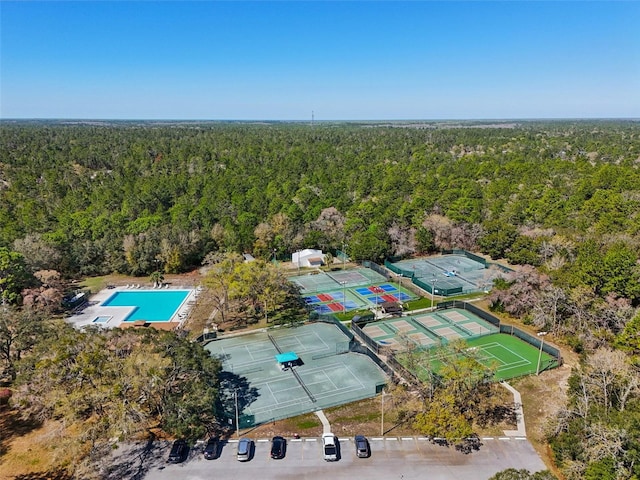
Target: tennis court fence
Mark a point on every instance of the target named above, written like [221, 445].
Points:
[487, 317]
[377, 268]
[356, 327]
[415, 277]
[411, 274]
[476, 258]
[318, 317]
[404, 372]
[533, 340]
[370, 342]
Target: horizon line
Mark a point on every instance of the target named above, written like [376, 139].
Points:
[273, 120]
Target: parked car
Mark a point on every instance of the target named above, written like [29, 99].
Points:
[211, 450]
[330, 447]
[362, 446]
[179, 452]
[245, 448]
[278, 447]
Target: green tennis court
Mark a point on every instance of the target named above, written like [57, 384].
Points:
[327, 375]
[508, 355]
[448, 274]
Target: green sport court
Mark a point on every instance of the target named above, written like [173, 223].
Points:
[425, 332]
[328, 375]
[447, 274]
[429, 329]
[508, 355]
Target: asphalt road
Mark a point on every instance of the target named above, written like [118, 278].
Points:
[391, 458]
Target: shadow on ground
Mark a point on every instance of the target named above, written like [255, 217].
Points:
[12, 425]
[134, 461]
[49, 475]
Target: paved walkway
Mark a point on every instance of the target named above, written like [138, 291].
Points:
[517, 401]
[326, 427]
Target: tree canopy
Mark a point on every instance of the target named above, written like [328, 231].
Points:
[119, 382]
[559, 200]
[137, 197]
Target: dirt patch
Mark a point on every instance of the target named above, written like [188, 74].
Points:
[542, 397]
[28, 450]
[365, 417]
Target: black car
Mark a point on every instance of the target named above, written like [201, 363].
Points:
[278, 447]
[211, 450]
[362, 446]
[179, 452]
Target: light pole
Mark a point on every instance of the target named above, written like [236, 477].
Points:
[344, 255]
[433, 289]
[377, 290]
[344, 295]
[235, 392]
[541, 335]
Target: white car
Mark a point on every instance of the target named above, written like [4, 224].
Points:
[330, 447]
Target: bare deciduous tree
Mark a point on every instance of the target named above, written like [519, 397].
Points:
[548, 310]
[331, 223]
[403, 239]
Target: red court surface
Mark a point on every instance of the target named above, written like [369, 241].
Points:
[335, 307]
[376, 290]
[323, 297]
[389, 298]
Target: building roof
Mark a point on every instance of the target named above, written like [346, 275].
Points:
[308, 251]
[391, 307]
[315, 261]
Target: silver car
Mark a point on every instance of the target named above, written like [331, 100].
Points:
[245, 447]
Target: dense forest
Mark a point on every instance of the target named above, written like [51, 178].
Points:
[561, 199]
[91, 199]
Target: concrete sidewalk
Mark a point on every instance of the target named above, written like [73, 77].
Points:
[326, 427]
[517, 401]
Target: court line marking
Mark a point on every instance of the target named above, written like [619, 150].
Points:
[339, 391]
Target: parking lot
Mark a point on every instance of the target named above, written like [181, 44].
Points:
[392, 457]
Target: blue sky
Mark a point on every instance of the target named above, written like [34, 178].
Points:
[370, 60]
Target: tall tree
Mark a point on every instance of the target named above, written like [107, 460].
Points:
[20, 331]
[220, 274]
[14, 276]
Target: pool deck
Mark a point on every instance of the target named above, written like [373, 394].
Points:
[117, 315]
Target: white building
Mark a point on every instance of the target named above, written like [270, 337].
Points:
[308, 258]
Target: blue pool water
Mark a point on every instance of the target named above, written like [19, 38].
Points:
[151, 306]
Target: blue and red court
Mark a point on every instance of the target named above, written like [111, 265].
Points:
[354, 298]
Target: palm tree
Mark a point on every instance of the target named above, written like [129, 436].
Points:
[157, 278]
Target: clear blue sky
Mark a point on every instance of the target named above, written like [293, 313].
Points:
[368, 60]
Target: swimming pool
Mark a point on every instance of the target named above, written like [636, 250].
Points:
[102, 319]
[151, 306]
